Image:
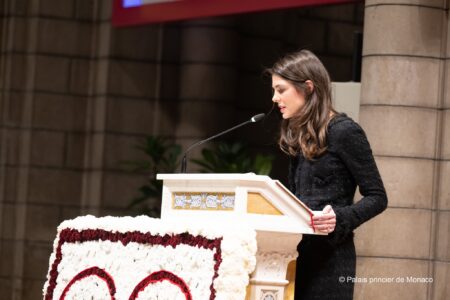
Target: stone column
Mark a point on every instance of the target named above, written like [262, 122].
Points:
[207, 84]
[406, 120]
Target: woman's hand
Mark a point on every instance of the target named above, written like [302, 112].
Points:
[325, 222]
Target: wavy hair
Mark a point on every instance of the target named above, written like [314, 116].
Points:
[306, 131]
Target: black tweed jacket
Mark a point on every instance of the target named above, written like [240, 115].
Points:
[332, 179]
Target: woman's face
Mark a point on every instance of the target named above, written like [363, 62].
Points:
[287, 97]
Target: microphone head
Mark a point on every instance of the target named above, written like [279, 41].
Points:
[257, 118]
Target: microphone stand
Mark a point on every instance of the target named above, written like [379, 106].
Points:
[184, 160]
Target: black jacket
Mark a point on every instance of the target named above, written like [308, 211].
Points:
[332, 179]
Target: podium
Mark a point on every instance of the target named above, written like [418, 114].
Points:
[279, 218]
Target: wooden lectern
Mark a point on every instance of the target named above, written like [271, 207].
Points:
[278, 217]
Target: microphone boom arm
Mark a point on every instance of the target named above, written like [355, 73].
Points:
[184, 162]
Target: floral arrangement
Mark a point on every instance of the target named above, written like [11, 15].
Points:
[145, 258]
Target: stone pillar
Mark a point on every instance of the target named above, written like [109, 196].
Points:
[52, 87]
[207, 84]
[403, 111]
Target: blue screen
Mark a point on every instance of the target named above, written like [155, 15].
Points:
[132, 3]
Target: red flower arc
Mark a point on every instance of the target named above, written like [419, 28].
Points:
[75, 236]
[160, 276]
[102, 274]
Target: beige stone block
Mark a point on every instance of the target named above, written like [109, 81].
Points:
[20, 34]
[59, 112]
[7, 254]
[299, 33]
[105, 10]
[12, 145]
[448, 40]
[132, 78]
[217, 45]
[446, 103]
[8, 221]
[378, 272]
[397, 232]
[339, 67]
[47, 148]
[32, 288]
[21, 7]
[52, 73]
[54, 186]
[80, 77]
[37, 258]
[135, 42]
[207, 82]
[403, 30]
[57, 8]
[75, 152]
[103, 44]
[341, 38]
[253, 59]
[441, 289]
[445, 152]
[42, 222]
[444, 187]
[122, 149]
[119, 189]
[443, 238]
[408, 181]
[202, 119]
[400, 81]
[6, 287]
[65, 37]
[400, 131]
[14, 113]
[68, 213]
[10, 183]
[87, 10]
[130, 115]
[18, 73]
[430, 3]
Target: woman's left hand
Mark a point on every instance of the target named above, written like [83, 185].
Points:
[325, 222]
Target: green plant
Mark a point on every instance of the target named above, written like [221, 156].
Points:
[162, 157]
[233, 158]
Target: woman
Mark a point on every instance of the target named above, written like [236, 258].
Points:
[330, 156]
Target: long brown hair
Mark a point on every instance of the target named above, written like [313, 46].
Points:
[306, 132]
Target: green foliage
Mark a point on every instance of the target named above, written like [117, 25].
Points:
[233, 158]
[162, 157]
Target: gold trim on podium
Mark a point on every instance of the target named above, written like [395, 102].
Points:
[258, 204]
[290, 276]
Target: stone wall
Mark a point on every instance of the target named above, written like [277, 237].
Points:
[77, 94]
[405, 112]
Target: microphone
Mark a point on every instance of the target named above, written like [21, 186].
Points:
[254, 119]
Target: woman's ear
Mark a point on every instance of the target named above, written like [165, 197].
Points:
[310, 86]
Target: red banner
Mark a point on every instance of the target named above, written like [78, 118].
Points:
[135, 12]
